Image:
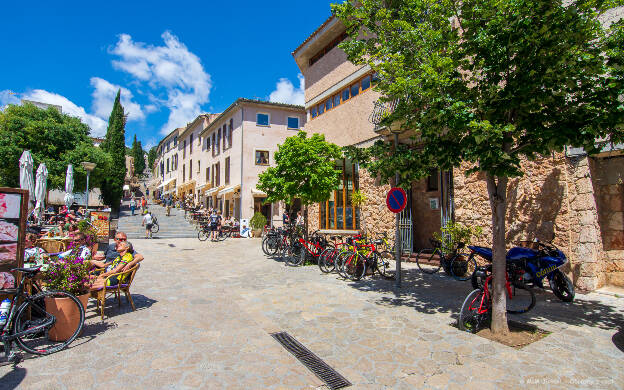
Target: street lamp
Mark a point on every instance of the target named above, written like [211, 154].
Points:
[88, 166]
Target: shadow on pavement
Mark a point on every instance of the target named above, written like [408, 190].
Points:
[618, 339]
[112, 308]
[12, 379]
[441, 294]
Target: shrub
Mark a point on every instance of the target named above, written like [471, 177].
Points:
[258, 221]
[68, 274]
[453, 233]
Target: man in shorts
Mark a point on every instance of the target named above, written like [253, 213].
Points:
[215, 222]
[148, 221]
[120, 262]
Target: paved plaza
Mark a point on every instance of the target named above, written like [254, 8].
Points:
[205, 312]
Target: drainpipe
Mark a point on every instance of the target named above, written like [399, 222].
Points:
[240, 211]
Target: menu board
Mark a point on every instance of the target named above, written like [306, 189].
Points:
[101, 221]
[13, 213]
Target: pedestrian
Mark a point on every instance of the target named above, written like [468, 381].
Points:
[143, 204]
[214, 225]
[133, 205]
[300, 221]
[168, 203]
[285, 218]
[147, 221]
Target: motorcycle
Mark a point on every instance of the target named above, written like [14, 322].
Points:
[540, 263]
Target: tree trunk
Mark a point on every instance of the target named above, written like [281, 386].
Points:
[497, 191]
[305, 219]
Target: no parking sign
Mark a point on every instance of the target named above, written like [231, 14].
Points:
[396, 200]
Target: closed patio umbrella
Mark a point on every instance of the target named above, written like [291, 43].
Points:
[41, 187]
[26, 176]
[69, 186]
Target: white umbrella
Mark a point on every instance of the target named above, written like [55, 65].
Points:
[26, 176]
[41, 189]
[69, 186]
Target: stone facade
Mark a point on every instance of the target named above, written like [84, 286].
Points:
[376, 218]
[559, 198]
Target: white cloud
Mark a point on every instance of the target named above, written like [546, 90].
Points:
[104, 96]
[8, 97]
[285, 92]
[172, 67]
[97, 125]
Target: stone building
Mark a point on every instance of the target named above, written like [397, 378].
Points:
[571, 198]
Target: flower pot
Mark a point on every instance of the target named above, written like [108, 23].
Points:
[256, 233]
[67, 316]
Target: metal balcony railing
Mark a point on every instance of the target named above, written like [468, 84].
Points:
[382, 110]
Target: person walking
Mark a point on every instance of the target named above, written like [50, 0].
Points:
[133, 205]
[168, 203]
[143, 204]
[215, 220]
[147, 222]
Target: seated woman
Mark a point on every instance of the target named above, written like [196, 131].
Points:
[80, 248]
[124, 258]
[32, 253]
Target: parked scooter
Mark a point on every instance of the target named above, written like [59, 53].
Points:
[537, 264]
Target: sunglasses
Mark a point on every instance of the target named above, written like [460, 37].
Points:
[120, 239]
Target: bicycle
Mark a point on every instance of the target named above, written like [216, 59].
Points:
[457, 264]
[155, 226]
[477, 307]
[301, 249]
[30, 325]
[368, 256]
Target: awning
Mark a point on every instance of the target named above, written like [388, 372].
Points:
[168, 181]
[126, 187]
[229, 190]
[256, 192]
[161, 185]
[213, 191]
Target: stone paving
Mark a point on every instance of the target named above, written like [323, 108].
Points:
[205, 312]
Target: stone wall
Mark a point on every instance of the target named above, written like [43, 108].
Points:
[608, 186]
[376, 218]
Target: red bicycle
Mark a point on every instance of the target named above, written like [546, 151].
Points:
[301, 249]
[477, 308]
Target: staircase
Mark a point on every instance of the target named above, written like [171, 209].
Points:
[174, 226]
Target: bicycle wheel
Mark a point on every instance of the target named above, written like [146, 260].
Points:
[270, 245]
[355, 266]
[475, 312]
[37, 313]
[386, 264]
[463, 265]
[295, 254]
[522, 299]
[326, 260]
[429, 261]
[339, 262]
[155, 228]
[202, 235]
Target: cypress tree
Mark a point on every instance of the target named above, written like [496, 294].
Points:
[115, 145]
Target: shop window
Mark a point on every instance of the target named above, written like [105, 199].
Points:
[338, 212]
[262, 157]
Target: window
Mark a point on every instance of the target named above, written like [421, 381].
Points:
[262, 119]
[218, 174]
[184, 149]
[336, 100]
[375, 77]
[176, 161]
[328, 104]
[321, 53]
[208, 143]
[183, 173]
[338, 212]
[208, 175]
[230, 133]
[432, 180]
[167, 165]
[191, 144]
[355, 89]
[293, 122]
[175, 141]
[227, 171]
[198, 167]
[190, 169]
[366, 83]
[313, 112]
[345, 95]
[218, 141]
[262, 157]
[225, 136]
[321, 109]
[214, 139]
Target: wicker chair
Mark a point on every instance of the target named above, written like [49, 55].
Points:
[101, 294]
[51, 246]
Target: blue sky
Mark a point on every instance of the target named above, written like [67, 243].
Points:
[172, 60]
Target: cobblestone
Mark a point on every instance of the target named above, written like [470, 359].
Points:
[205, 312]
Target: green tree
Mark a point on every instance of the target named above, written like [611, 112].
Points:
[53, 138]
[115, 145]
[151, 157]
[488, 83]
[304, 169]
[136, 152]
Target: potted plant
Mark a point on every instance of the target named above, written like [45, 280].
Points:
[69, 274]
[91, 238]
[257, 223]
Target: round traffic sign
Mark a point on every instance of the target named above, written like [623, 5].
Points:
[396, 200]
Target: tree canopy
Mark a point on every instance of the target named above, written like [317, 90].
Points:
[53, 138]
[304, 169]
[151, 157]
[137, 154]
[115, 145]
[488, 83]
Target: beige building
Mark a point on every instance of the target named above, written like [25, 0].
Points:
[166, 166]
[571, 198]
[236, 146]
